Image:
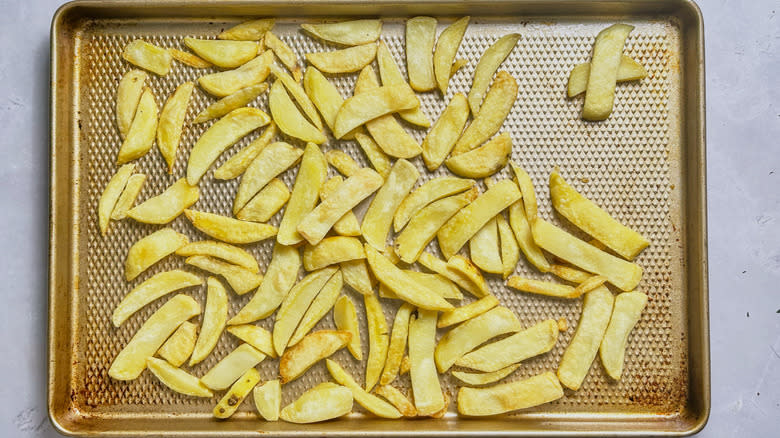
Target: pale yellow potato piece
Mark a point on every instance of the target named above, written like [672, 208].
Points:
[628, 70]
[128, 93]
[240, 279]
[297, 92]
[570, 274]
[391, 75]
[214, 317]
[166, 206]
[177, 379]
[498, 104]
[225, 54]
[510, 250]
[379, 216]
[579, 354]
[286, 56]
[289, 119]
[590, 284]
[406, 364]
[348, 33]
[625, 275]
[484, 160]
[320, 306]
[130, 193]
[310, 350]
[189, 59]
[332, 250]
[420, 38]
[148, 56]
[536, 340]
[487, 66]
[131, 361]
[140, 136]
[604, 64]
[460, 62]
[378, 340]
[343, 61]
[325, 401]
[356, 276]
[541, 287]
[228, 229]
[518, 221]
[348, 224]
[178, 348]
[431, 191]
[350, 193]
[625, 315]
[323, 94]
[372, 103]
[231, 367]
[464, 313]
[258, 337]
[266, 203]
[232, 399]
[270, 163]
[522, 394]
[374, 153]
[252, 30]
[461, 271]
[342, 162]
[445, 132]
[237, 164]
[111, 194]
[224, 251]
[485, 249]
[589, 217]
[397, 399]
[345, 318]
[443, 411]
[372, 403]
[308, 183]
[230, 102]
[478, 379]
[268, 399]
[428, 397]
[437, 283]
[151, 249]
[171, 122]
[446, 49]
[158, 285]
[398, 341]
[225, 83]
[279, 278]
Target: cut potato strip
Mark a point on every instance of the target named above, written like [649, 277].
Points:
[370, 104]
[323, 94]
[484, 160]
[460, 62]
[148, 56]
[325, 401]
[406, 364]
[431, 191]
[379, 216]
[445, 132]
[232, 399]
[478, 379]
[228, 82]
[166, 206]
[538, 339]
[310, 350]
[111, 194]
[462, 272]
[628, 70]
[151, 249]
[140, 136]
[189, 59]
[498, 399]
[372, 403]
[178, 348]
[391, 75]
[378, 340]
[320, 307]
[223, 53]
[540, 287]
[420, 38]
[332, 250]
[570, 274]
[488, 64]
[397, 399]
[464, 313]
[231, 102]
[224, 251]
[268, 399]
[228, 229]
[171, 122]
[306, 190]
[214, 318]
[266, 203]
[437, 283]
[297, 92]
[604, 64]
[446, 49]
[510, 251]
[498, 103]
[158, 285]
[270, 163]
[345, 318]
[287, 56]
[356, 276]
[128, 93]
[231, 367]
[348, 33]
[625, 315]
[177, 379]
[342, 162]
[348, 224]
[485, 250]
[257, 337]
[398, 341]
[343, 61]
[374, 153]
[428, 397]
[518, 221]
[240, 279]
[590, 284]
[289, 119]
[252, 30]
[237, 164]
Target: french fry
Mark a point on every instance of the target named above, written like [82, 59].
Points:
[332, 250]
[348, 33]
[498, 103]
[510, 251]
[228, 229]
[268, 399]
[488, 64]
[372, 403]
[177, 379]
[420, 38]
[297, 92]
[461, 271]
[310, 350]
[178, 348]
[626, 313]
[128, 93]
[323, 94]
[252, 30]
[356, 276]
[320, 306]
[570, 274]
[288, 58]
[214, 317]
[628, 70]
[591, 283]
[225, 83]
[443, 411]
[240, 279]
[111, 194]
[540, 287]
[343, 61]
[428, 398]
[151, 249]
[484, 160]
[289, 119]
[374, 153]
[171, 122]
[437, 283]
[270, 163]
[379, 216]
[223, 53]
[378, 340]
[398, 340]
[478, 379]
[518, 220]
[460, 62]
[371, 104]
[166, 206]
[485, 249]
[256, 336]
[348, 224]
[306, 190]
[522, 394]
[231, 367]
[158, 285]
[231, 102]
[237, 164]
[140, 136]
[431, 191]
[604, 64]
[445, 132]
[391, 75]
[406, 364]
[131, 361]
[236, 394]
[148, 56]
[130, 193]
[189, 59]
[342, 162]
[536, 340]
[579, 354]
[464, 313]
[446, 49]
[345, 318]
[325, 401]
[266, 203]
[397, 399]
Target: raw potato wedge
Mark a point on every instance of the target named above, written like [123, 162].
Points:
[332, 250]
[348, 224]
[446, 49]
[148, 56]
[224, 251]
[625, 275]
[464, 313]
[166, 206]
[285, 55]
[478, 379]
[225, 83]
[625, 315]
[538, 339]
[297, 92]
[280, 276]
[590, 218]
[356, 276]
[223, 53]
[128, 93]
[131, 361]
[220, 136]
[343, 61]
[432, 190]
[348, 33]
[171, 122]
[323, 94]
[228, 229]
[111, 194]
[266, 203]
[258, 337]
[270, 163]
[485, 250]
[325, 401]
[345, 318]
[397, 399]
[310, 350]
[127, 199]
[372, 103]
[308, 183]
[420, 38]
[342, 162]
[628, 70]
[498, 104]
[374, 153]
[540, 287]
[445, 132]
[268, 399]
[252, 30]
[189, 59]
[178, 348]
[320, 306]
[372, 403]
[379, 216]
[510, 251]
[240, 279]
[231, 367]
[579, 354]
[237, 164]
[177, 379]
[484, 160]
[214, 317]
[391, 75]
[140, 136]
[151, 249]
[231, 102]
[232, 399]
[604, 64]
[289, 119]
[488, 64]
[398, 341]
[534, 391]
[378, 340]
[428, 398]
[158, 285]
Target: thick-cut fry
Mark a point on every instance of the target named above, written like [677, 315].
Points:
[272, 161]
[348, 224]
[189, 59]
[590, 284]
[485, 250]
[310, 350]
[256, 336]
[379, 216]
[288, 58]
[498, 399]
[475, 331]
[177, 379]
[230, 102]
[166, 206]
[332, 250]
[522, 230]
[397, 399]
[342, 162]
[510, 251]
[372, 403]
[237, 164]
[151, 249]
[266, 203]
[111, 195]
[460, 62]
[240, 279]
[540, 287]
[155, 287]
[625, 315]
[306, 190]
[228, 82]
[391, 75]
[140, 136]
[320, 307]
[356, 276]
[268, 399]
[461, 271]
[484, 160]
[228, 229]
[441, 412]
[477, 379]
[128, 93]
[628, 70]
[236, 394]
[345, 318]
[579, 354]
[214, 318]
[464, 313]
[178, 348]
[171, 122]
[371, 104]
[148, 56]
[297, 92]
[437, 283]
[378, 340]
[231, 367]
[289, 119]
[343, 61]
[522, 345]
[374, 153]
[432, 190]
[420, 38]
[428, 398]
[446, 49]
[406, 364]
[488, 64]
[604, 64]
[131, 361]
[498, 103]
[325, 401]
[252, 30]
[398, 341]
[224, 251]
[323, 94]
[445, 132]
[348, 33]
[222, 53]
[570, 274]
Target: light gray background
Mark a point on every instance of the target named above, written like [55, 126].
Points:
[743, 127]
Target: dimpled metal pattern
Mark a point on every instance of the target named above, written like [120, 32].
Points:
[627, 164]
